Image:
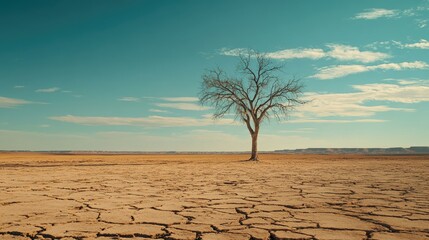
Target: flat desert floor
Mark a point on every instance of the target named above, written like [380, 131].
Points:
[47, 196]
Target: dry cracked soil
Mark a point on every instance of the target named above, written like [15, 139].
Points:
[48, 196]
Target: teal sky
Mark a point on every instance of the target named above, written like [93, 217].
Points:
[124, 75]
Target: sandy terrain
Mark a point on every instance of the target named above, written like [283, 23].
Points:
[213, 197]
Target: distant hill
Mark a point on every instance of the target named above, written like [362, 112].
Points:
[394, 150]
[380, 151]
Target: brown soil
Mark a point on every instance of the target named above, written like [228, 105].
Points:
[47, 196]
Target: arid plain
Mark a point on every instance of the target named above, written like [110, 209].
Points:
[48, 196]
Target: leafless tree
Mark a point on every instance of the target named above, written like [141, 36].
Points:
[257, 94]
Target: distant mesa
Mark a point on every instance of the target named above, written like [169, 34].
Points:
[393, 150]
[365, 151]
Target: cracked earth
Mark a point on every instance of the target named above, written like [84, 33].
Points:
[213, 197]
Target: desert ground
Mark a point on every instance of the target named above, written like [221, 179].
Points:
[49, 196]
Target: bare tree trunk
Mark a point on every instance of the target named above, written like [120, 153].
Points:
[254, 156]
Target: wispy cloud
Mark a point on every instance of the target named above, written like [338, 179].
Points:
[422, 23]
[178, 103]
[205, 131]
[12, 102]
[180, 99]
[410, 81]
[48, 90]
[151, 121]
[385, 44]
[234, 52]
[312, 53]
[183, 106]
[419, 14]
[335, 51]
[349, 53]
[299, 130]
[181, 103]
[337, 71]
[157, 110]
[422, 44]
[410, 93]
[326, 106]
[374, 13]
[18, 86]
[129, 99]
[369, 120]
[355, 104]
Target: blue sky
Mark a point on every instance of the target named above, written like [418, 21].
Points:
[125, 75]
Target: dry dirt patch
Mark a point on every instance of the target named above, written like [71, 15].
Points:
[46, 196]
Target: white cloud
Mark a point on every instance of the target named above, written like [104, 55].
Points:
[181, 103]
[158, 110]
[18, 86]
[234, 52]
[422, 44]
[406, 82]
[129, 99]
[374, 13]
[369, 120]
[337, 71]
[151, 121]
[183, 106]
[180, 99]
[349, 53]
[336, 51]
[342, 104]
[384, 44]
[418, 14]
[205, 131]
[422, 23]
[299, 130]
[48, 90]
[400, 66]
[355, 104]
[409, 81]
[410, 93]
[312, 53]
[12, 102]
